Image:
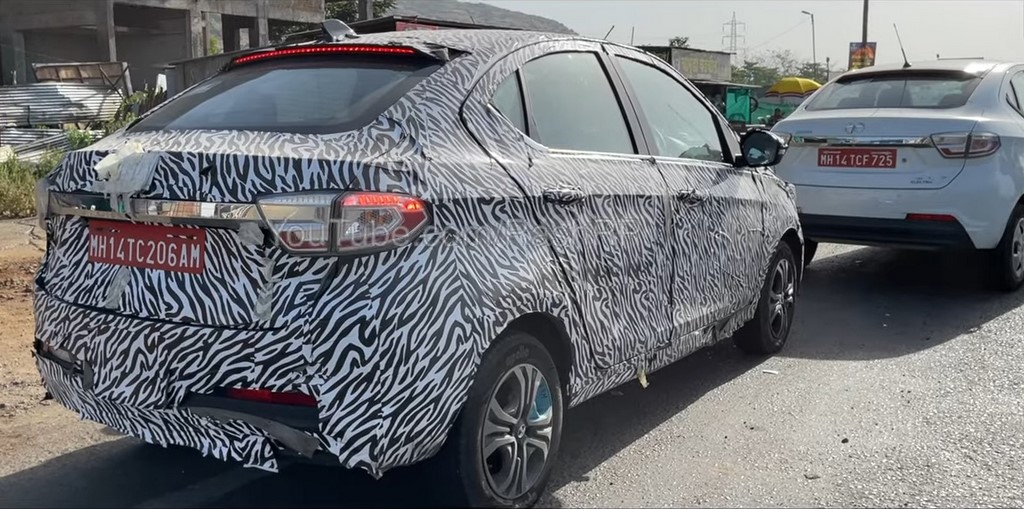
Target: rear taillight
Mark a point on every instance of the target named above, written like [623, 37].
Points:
[965, 145]
[267, 396]
[373, 219]
[320, 223]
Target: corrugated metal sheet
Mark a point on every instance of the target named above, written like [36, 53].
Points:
[37, 149]
[23, 135]
[56, 103]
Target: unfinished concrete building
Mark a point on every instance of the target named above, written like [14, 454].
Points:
[145, 33]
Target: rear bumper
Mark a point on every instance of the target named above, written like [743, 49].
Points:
[229, 441]
[886, 232]
[153, 380]
[980, 199]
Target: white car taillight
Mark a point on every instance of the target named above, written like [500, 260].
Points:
[969, 145]
[319, 223]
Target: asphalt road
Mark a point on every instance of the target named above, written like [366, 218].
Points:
[901, 386]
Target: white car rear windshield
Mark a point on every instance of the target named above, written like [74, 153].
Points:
[300, 95]
[905, 89]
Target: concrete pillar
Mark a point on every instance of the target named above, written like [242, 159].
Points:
[365, 9]
[230, 27]
[12, 57]
[205, 16]
[261, 27]
[195, 45]
[106, 42]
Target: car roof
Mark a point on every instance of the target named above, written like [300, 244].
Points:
[487, 42]
[969, 65]
[462, 39]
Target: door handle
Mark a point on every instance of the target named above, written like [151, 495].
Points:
[563, 195]
[690, 197]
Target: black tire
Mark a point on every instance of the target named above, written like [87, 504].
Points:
[810, 247]
[768, 331]
[461, 464]
[1007, 259]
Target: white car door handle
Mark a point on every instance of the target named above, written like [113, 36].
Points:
[690, 197]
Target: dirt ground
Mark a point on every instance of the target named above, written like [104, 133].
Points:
[31, 429]
[20, 390]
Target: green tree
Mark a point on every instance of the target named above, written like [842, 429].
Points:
[214, 46]
[812, 71]
[755, 72]
[782, 61]
[348, 10]
[679, 42]
[765, 69]
[343, 10]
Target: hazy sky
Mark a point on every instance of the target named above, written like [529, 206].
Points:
[993, 29]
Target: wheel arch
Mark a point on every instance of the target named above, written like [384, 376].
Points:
[552, 333]
[792, 239]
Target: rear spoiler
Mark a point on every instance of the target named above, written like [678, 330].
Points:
[334, 38]
[910, 72]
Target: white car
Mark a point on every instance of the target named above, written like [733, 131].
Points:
[929, 155]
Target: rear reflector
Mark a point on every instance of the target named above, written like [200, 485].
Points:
[267, 396]
[335, 49]
[931, 217]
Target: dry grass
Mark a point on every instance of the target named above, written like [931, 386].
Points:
[17, 184]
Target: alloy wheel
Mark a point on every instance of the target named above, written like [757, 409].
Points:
[517, 430]
[782, 297]
[1017, 250]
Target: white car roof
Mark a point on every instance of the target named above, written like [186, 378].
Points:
[973, 66]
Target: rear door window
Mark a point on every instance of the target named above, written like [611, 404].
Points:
[573, 106]
[508, 100]
[916, 89]
[301, 95]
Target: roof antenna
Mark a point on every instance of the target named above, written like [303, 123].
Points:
[336, 31]
[609, 32]
[906, 63]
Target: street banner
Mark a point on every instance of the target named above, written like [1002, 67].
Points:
[862, 55]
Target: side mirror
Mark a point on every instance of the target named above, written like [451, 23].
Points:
[762, 148]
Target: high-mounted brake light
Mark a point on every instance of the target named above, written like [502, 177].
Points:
[332, 49]
[965, 145]
[321, 223]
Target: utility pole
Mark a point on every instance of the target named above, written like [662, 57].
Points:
[828, 68]
[734, 34]
[864, 27]
[365, 9]
[814, 43]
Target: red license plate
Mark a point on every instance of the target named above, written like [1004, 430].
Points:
[171, 248]
[857, 157]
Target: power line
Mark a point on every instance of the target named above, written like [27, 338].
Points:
[780, 34]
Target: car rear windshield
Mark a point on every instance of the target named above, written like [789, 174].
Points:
[944, 89]
[298, 95]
